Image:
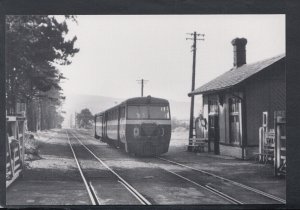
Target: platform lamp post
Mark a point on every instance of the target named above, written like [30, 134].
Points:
[194, 49]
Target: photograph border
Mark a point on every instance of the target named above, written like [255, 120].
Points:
[178, 7]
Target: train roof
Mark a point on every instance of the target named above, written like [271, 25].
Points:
[146, 100]
[139, 100]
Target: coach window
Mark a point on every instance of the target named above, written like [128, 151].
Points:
[122, 112]
[115, 114]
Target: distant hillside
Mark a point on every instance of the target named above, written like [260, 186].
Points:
[75, 103]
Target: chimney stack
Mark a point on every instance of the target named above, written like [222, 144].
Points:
[239, 51]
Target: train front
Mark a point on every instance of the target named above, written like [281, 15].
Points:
[148, 126]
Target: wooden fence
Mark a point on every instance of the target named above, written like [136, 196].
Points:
[280, 145]
[15, 150]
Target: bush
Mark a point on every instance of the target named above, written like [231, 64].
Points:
[175, 123]
[31, 147]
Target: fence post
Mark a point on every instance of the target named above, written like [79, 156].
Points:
[260, 149]
[23, 142]
[280, 145]
[277, 160]
[15, 148]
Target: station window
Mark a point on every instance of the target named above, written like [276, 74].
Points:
[234, 105]
[234, 121]
[265, 119]
[213, 107]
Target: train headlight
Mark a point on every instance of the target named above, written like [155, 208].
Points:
[136, 132]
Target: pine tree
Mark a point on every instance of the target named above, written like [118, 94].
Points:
[84, 118]
[35, 46]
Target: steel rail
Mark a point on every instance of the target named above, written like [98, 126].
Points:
[206, 187]
[131, 189]
[89, 188]
[134, 194]
[228, 180]
[226, 197]
[223, 194]
[95, 192]
[210, 189]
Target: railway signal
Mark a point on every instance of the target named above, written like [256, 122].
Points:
[194, 48]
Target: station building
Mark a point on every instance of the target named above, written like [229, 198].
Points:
[235, 103]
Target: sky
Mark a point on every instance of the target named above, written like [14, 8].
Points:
[117, 50]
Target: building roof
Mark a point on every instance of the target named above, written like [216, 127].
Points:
[235, 76]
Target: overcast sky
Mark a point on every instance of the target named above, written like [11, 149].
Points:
[115, 51]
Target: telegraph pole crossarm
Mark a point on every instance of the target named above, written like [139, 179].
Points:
[194, 49]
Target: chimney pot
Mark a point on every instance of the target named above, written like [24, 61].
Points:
[239, 51]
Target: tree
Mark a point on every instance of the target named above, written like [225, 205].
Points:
[176, 123]
[84, 118]
[35, 46]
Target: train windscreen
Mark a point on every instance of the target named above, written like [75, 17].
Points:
[148, 112]
[159, 112]
[137, 112]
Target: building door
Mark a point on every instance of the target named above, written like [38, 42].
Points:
[213, 124]
[213, 132]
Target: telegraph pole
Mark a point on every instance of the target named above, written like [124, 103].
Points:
[194, 49]
[71, 120]
[75, 120]
[142, 82]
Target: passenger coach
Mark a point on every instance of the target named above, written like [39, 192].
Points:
[140, 125]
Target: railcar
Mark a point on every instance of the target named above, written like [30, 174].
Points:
[141, 126]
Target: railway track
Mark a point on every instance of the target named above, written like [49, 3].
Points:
[267, 195]
[212, 190]
[88, 184]
[209, 187]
